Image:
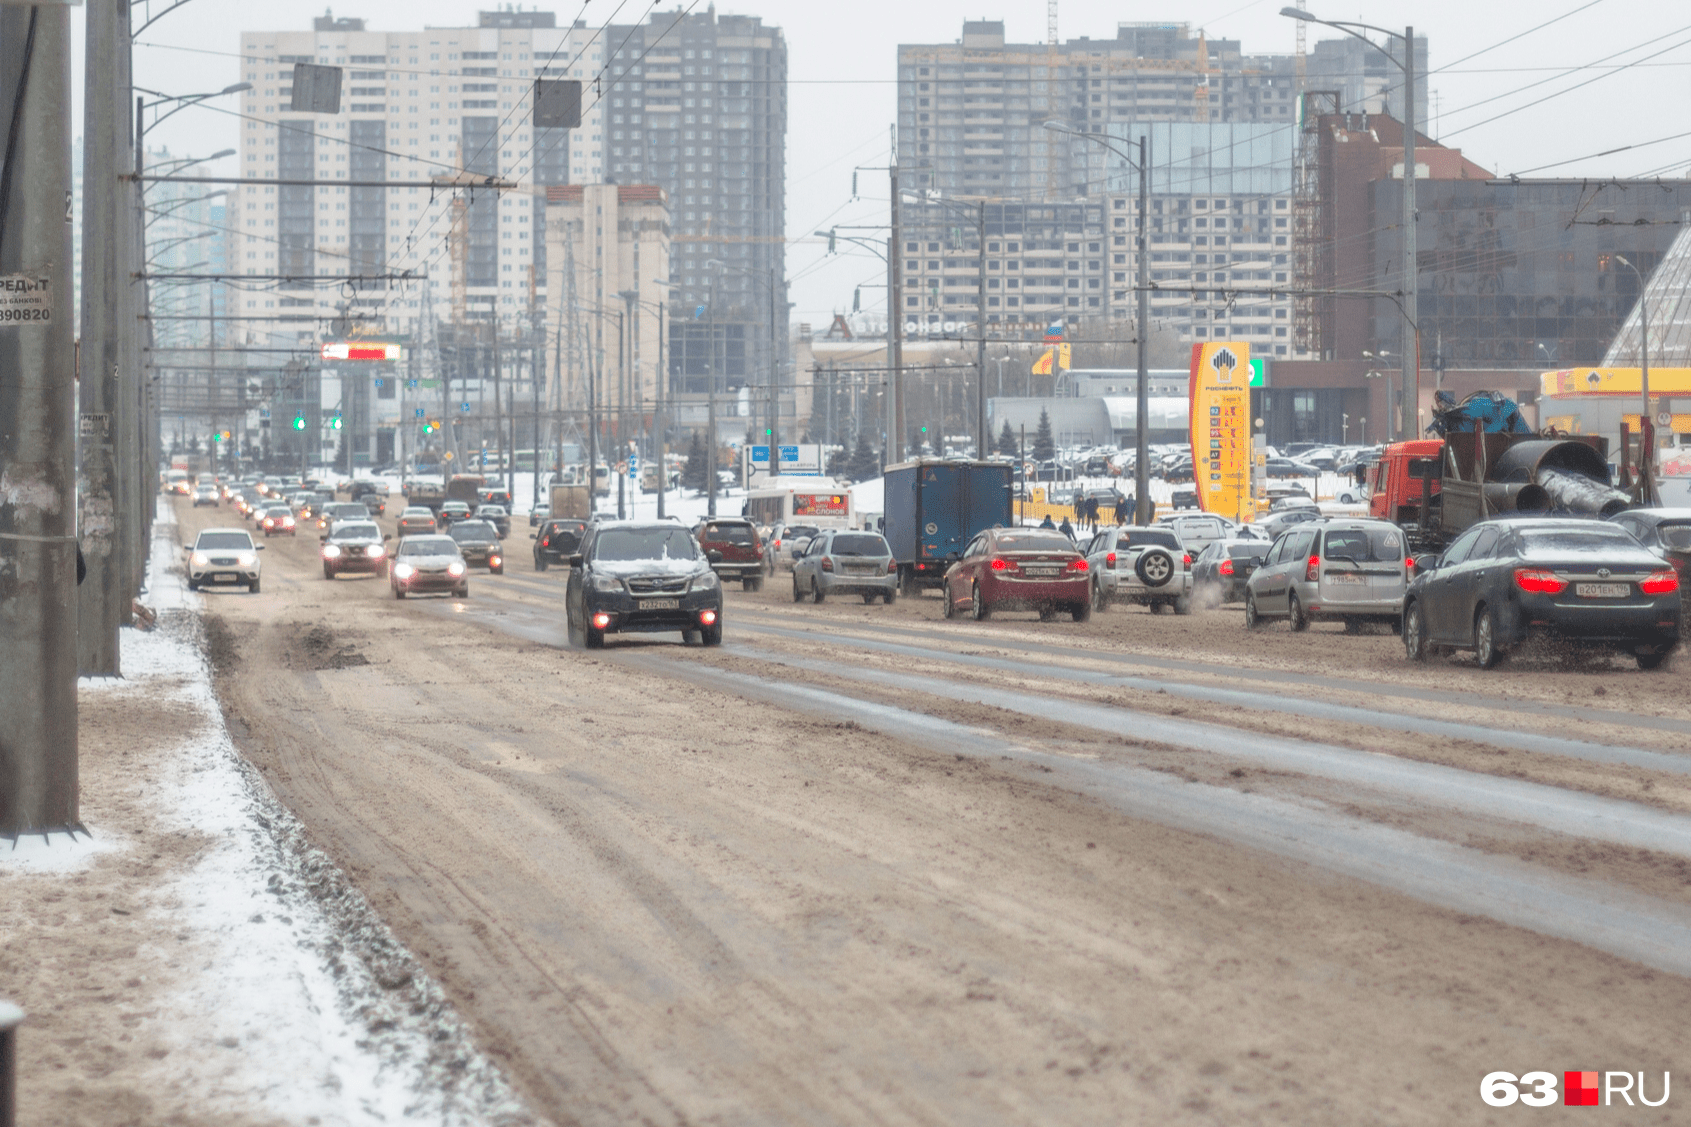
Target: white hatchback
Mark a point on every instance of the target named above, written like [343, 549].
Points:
[224, 557]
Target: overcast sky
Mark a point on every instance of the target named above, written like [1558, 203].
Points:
[1635, 55]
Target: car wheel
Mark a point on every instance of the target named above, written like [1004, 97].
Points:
[712, 634]
[462, 592]
[1651, 661]
[398, 592]
[691, 637]
[1154, 567]
[500, 570]
[890, 595]
[1046, 614]
[1353, 625]
[1296, 618]
[746, 585]
[192, 586]
[757, 583]
[798, 594]
[1252, 619]
[1486, 650]
[816, 592]
[1414, 633]
[1081, 612]
[868, 597]
[907, 583]
[978, 610]
[540, 563]
[1100, 601]
[1183, 605]
[328, 572]
[595, 639]
[252, 588]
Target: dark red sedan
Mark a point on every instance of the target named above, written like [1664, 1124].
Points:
[1019, 569]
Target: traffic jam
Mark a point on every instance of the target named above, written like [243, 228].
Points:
[1484, 543]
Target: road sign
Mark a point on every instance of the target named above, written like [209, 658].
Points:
[410, 383]
[633, 465]
[447, 456]
[360, 350]
[1664, 418]
[464, 407]
[419, 412]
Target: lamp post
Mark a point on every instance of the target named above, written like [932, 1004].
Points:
[1143, 509]
[1392, 415]
[1411, 352]
[1643, 356]
[1388, 378]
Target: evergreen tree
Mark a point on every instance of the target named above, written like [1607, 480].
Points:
[1007, 440]
[1044, 446]
[838, 460]
[865, 463]
[694, 474]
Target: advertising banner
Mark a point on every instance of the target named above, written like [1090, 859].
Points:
[1221, 428]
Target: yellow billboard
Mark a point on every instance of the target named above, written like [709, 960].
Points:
[1221, 428]
[1601, 382]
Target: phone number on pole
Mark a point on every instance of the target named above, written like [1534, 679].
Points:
[25, 297]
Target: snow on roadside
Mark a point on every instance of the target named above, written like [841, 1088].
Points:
[335, 1021]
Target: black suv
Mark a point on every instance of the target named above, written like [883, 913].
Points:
[642, 576]
[556, 541]
[478, 540]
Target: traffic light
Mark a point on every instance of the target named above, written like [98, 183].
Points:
[217, 436]
[431, 426]
[299, 422]
[335, 423]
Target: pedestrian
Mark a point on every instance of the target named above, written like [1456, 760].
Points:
[1127, 510]
[1092, 513]
[1048, 523]
[1066, 528]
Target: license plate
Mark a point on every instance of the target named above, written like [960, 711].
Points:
[1043, 572]
[1603, 590]
[660, 604]
[1344, 577]
[224, 578]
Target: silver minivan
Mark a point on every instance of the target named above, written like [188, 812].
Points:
[843, 561]
[1331, 568]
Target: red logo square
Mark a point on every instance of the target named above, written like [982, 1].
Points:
[1579, 1089]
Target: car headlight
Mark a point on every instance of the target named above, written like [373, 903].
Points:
[375, 552]
[606, 583]
[199, 559]
[705, 581]
[247, 559]
[403, 571]
[456, 567]
[331, 551]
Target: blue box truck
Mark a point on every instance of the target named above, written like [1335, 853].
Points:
[934, 508]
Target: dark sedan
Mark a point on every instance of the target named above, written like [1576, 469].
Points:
[1019, 569]
[1220, 571]
[1580, 584]
[355, 546]
[1664, 531]
[556, 542]
[478, 540]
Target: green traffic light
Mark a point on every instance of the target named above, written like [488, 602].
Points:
[299, 422]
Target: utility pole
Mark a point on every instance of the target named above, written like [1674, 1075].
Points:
[710, 459]
[658, 419]
[892, 451]
[38, 425]
[1410, 384]
[1143, 509]
[105, 133]
[984, 438]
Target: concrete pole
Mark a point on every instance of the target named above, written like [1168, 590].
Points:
[983, 440]
[1143, 510]
[38, 413]
[131, 497]
[710, 410]
[658, 420]
[103, 284]
[893, 450]
[1410, 384]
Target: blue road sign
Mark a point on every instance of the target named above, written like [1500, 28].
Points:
[419, 412]
[789, 453]
[410, 383]
[760, 453]
[464, 407]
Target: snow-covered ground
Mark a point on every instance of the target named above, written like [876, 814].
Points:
[304, 1007]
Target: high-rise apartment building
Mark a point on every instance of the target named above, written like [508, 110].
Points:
[695, 104]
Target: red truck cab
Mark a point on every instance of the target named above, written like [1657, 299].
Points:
[1406, 473]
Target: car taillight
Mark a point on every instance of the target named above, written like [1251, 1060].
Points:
[1110, 560]
[1001, 564]
[1078, 565]
[1660, 582]
[1539, 581]
[827, 563]
[1409, 565]
[1225, 567]
[892, 567]
[1186, 559]
[1313, 571]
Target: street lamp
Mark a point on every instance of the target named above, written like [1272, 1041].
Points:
[1387, 375]
[183, 102]
[1142, 404]
[1643, 356]
[1392, 417]
[1411, 358]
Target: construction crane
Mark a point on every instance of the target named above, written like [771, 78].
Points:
[1053, 147]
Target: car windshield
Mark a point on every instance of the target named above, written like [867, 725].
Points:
[1033, 542]
[1148, 537]
[416, 514]
[1248, 551]
[429, 546]
[1364, 545]
[622, 544]
[278, 511]
[357, 532]
[223, 542]
[1675, 535]
[1576, 540]
[473, 530]
[729, 533]
[860, 544]
[800, 531]
[491, 511]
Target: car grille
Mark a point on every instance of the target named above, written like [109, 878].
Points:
[354, 550]
[657, 586]
[224, 561]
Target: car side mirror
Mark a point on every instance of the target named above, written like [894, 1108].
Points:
[1427, 562]
[260, 547]
[387, 536]
[575, 560]
[534, 536]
